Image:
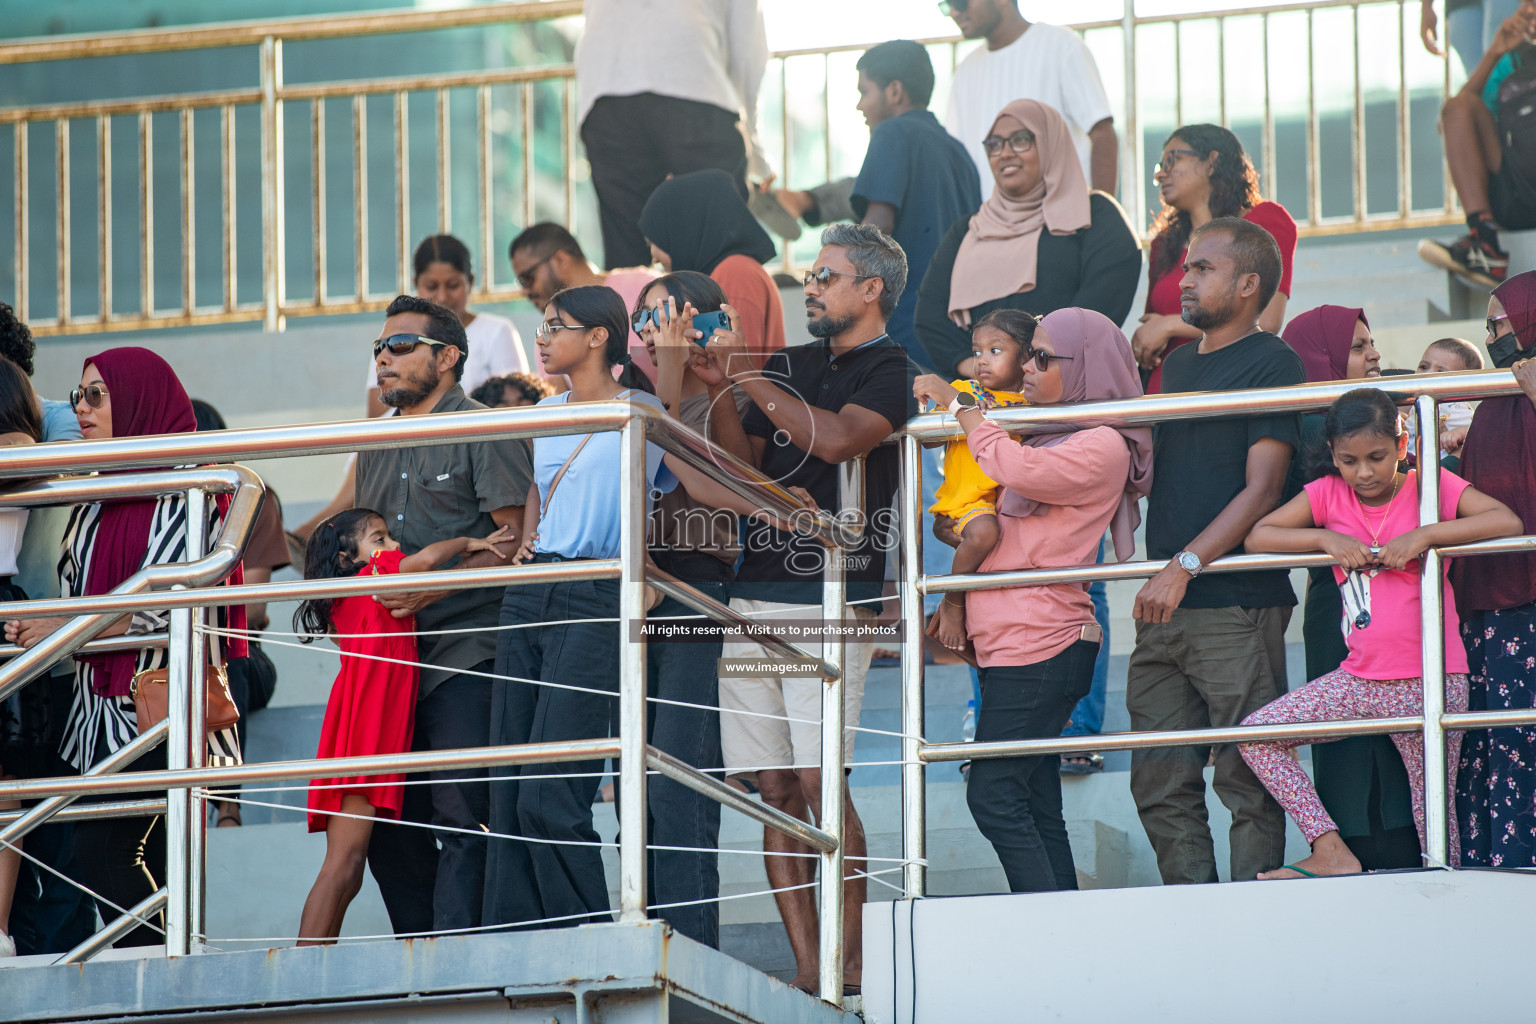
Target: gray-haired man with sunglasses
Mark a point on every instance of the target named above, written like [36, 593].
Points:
[1028, 61]
[428, 494]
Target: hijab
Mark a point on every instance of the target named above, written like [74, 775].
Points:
[1499, 459]
[999, 253]
[1518, 297]
[1099, 367]
[1323, 338]
[699, 219]
[147, 399]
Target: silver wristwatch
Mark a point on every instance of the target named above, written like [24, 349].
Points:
[1189, 562]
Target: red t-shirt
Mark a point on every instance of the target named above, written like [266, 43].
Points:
[1163, 295]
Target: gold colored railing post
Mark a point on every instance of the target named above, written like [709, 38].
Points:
[1437, 819]
[104, 214]
[61, 144]
[402, 193]
[273, 213]
[23, 218]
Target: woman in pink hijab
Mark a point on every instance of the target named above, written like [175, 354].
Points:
[1040, 243]
[1036, 646]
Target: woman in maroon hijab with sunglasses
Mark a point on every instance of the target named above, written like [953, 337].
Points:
[125, 392]
[1496, 600]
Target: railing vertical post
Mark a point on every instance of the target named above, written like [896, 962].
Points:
[833, 606]
[1134, 189]
[914, 797]
[632, 767]
[1431, 590]
[197, 747]
[273, 213]
[178, 804]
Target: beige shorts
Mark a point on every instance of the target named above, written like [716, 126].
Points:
[751, 741]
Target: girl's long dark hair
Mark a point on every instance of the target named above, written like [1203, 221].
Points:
[442, 249]
[1363, 410]
[332, 553]
[1234, 191]
[596, 305]
[19, 411]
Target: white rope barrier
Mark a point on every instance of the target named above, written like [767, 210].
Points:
[521, 925]
[222, 632]
[93, 894]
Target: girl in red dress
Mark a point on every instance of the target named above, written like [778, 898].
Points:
[372, 701]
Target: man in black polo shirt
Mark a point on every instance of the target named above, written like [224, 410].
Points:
[429, 494]
[816, 406]
[1211, 649]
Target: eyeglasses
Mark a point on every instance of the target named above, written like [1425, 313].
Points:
[1493, 324]
[526, 277]
[402, 344]
[823, 276]
[93, 394]
[547, 329]
[1021, 142]
[1170, 158]
[948, 7]
[1042, 358]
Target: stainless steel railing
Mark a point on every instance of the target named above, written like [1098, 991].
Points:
[1169, 68]
[183, 892]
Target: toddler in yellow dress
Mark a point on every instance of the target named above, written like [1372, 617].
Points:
[968, 496]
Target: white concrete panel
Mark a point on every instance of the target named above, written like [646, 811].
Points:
[1398, 947]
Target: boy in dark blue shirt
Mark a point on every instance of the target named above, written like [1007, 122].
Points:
[916, 181]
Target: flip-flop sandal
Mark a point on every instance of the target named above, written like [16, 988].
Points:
[1299, 871]
[1072, 764]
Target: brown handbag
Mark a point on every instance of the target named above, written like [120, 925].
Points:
[151, 692]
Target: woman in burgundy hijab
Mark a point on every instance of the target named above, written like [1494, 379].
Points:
[1496, 599]
[125, 392]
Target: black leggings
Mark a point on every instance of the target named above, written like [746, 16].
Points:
[123, 859]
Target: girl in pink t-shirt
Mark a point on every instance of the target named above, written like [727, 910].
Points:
[1364, 513]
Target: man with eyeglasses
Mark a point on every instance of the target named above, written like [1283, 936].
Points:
[815, 407]
[1028, 61]
[428, 494]
[547, 258]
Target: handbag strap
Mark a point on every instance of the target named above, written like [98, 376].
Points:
[549, 495]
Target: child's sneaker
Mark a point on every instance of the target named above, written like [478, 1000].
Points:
[1471, 256]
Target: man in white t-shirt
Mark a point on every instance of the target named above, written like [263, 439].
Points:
[1028, 61]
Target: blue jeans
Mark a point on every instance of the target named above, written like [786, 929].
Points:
[938, 557]
[1470, 30]
[679, 816]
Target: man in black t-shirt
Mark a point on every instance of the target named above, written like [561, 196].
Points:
[1211, 649]
[815, 408]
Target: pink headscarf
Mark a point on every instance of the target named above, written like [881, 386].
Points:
[999, 253]
[1100, 367]
[1323, 338]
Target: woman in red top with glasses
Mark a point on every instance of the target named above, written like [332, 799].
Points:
[1203, 174]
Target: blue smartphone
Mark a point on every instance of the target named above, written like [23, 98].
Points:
[706, 323]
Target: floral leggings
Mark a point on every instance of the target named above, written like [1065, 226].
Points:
[1341, 696]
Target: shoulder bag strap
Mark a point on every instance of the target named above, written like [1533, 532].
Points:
[549, 495]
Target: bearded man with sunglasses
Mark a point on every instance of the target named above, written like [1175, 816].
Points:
[1028, 61]
[427, 494]
[815, 407]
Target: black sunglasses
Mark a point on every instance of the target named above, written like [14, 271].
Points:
[823, 276]
[948, 7]
[1042, 358]
[93, 394]
[402, 344]
[526, 277]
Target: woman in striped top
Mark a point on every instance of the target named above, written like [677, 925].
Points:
[125, 392]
